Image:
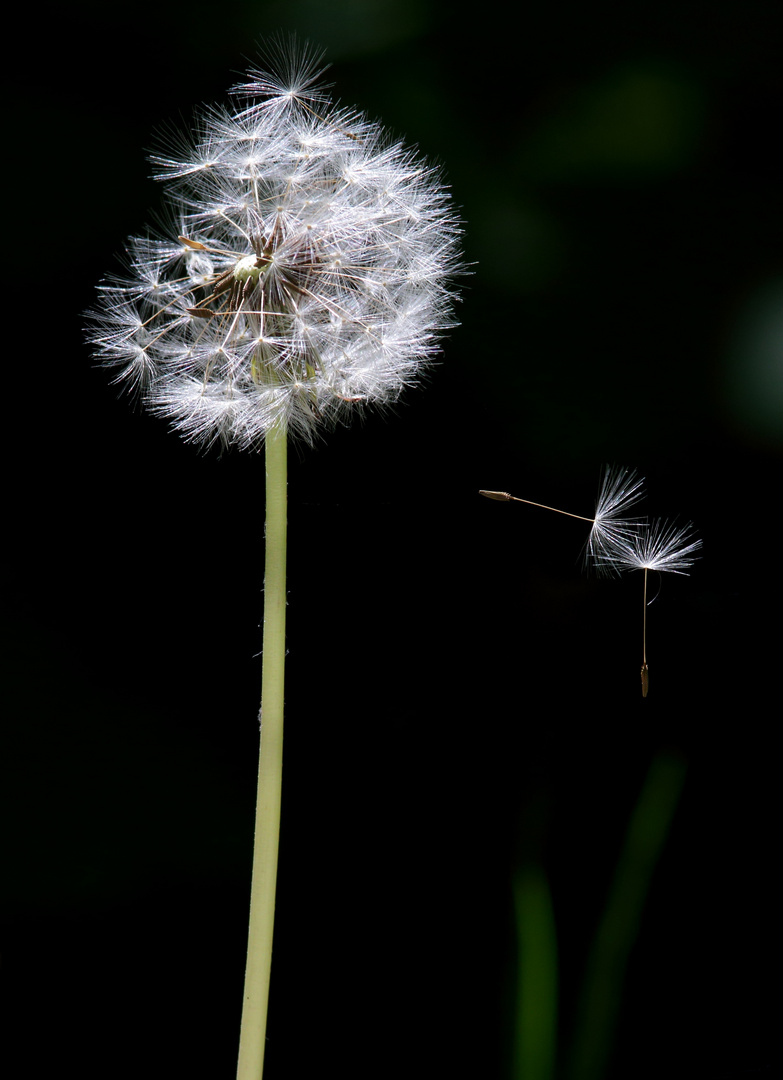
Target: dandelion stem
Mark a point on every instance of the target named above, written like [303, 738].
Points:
[262, 893]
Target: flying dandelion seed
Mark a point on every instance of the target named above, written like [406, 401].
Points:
[663, 546]
[620, 490]
[617, 543]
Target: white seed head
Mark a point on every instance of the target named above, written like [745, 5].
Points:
[305, 272]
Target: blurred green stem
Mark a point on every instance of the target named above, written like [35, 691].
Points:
[617, 932]
[252, 1037]
[535, 1021]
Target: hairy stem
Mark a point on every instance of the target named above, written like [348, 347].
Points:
[270, 768]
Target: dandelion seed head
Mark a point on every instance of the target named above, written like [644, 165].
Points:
[303, 271]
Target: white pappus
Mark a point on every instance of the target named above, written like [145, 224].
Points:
[304, 270]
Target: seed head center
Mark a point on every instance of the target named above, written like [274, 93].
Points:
[247, 268]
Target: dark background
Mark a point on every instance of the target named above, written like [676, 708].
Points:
[461, 699]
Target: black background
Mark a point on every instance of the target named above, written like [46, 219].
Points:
[461, 699]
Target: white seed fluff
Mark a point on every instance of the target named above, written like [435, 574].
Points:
[663, 546]
[305, 269]
[612, 531]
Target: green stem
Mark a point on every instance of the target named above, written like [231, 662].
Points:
[535, 1024]
[270, 769]
[603, 989]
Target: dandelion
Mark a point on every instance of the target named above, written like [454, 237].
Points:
[620, 490]
[665, 547]
[303, 273]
